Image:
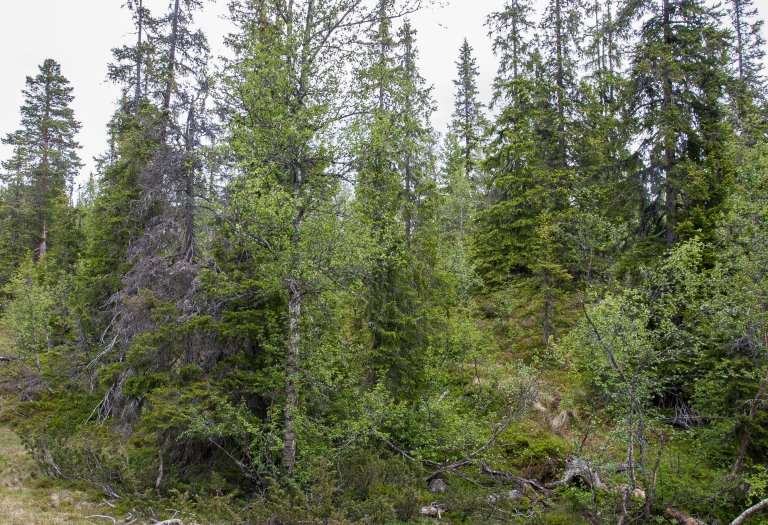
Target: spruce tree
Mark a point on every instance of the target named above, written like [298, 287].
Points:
[461, 174]
[749, 89]
[679, 71]
[142, 243]
[39, 176]
[521, 230]
[394, 196]
[504, 222]
[379, 194]
[468, 120]
[605, 196]
[560, 46]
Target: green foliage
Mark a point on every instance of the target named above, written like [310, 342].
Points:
[344, 311]
[37, 182]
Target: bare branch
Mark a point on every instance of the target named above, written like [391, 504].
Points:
[751, 510]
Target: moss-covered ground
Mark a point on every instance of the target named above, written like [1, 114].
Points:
[29, 498]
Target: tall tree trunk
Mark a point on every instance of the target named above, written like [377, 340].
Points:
[44, 241]
[670, 190]
[295, 291]
[292, 368]
[739, 37]
[138, 54]
[171, 69]
[293, 346]
[560, 80]
[409, 68]
[189, 185]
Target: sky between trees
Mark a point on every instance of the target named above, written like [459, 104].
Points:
[80, 36]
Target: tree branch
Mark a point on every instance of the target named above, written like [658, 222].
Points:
[751, 510]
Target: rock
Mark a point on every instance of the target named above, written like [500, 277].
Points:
[435, 510]
[546, 401]
[437, 486]
[554, 404]
[637, 493]
[561, 423]
[494, 498]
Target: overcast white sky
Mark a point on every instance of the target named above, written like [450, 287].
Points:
[79, 34]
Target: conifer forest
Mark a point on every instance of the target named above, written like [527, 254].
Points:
[284, 296]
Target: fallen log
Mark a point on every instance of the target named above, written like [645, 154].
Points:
[6, 358]
[580, 469]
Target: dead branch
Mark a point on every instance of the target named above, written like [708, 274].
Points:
[751, 510]
[535, 485]
[245, 469]
[5, 358]
[405, 454]
[102, 516]
[684, 518]
[498, 430]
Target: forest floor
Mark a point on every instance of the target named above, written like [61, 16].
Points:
[29, 498]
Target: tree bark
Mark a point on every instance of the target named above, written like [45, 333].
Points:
[293, 348]
[170, 72]
[189, 183]
[751, 510]
[138, 54]
[291, 372]
[670, 191]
